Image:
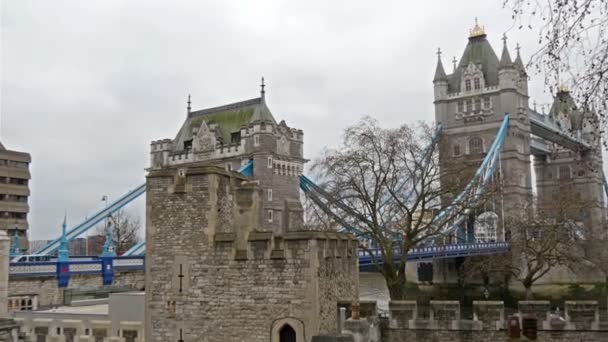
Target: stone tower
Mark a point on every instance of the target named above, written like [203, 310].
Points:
[470, 103]
[575, 172]
[227, 258]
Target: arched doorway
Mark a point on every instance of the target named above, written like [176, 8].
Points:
[287, 334]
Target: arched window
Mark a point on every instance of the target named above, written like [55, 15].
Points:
[287, 334]
[475, 145]
[477, 83]
[467, 85]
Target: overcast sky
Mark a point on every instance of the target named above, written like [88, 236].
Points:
[86, 85]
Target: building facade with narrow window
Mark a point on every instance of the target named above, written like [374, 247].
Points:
[14, 193]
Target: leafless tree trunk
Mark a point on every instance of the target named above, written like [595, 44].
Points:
[542, 239]
[390, 181]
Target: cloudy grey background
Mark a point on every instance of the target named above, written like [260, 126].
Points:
[86, 85]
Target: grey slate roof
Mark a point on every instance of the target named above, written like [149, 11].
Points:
[440, 72]
[479, 52]
[505, 58]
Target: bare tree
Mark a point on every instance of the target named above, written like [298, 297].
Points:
[386, 186]
[541, 240]
[125, 230]
[573, 39]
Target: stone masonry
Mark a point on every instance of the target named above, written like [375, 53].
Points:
[226, 256]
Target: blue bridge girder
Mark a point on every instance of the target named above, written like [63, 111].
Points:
[89, 223]
[437, 252]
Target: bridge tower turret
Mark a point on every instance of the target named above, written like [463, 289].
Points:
[481, 89]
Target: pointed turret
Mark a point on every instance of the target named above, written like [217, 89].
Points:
[505, 58]
[439, 71]
[109, 249]
[63, 254]
[15, 246]
[519, 64]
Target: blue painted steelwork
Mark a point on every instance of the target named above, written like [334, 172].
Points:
[63, 271]
[95, 219]
[474, 189]
[63, 254]
[109, 249]
[247, 169]
[436, 252]
[15, 249]
[138, 249]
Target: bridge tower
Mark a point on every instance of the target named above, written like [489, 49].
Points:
[573, 174]
[227, 257]
[470, 103]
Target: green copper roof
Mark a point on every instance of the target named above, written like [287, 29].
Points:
[479, 52]
[229, 118]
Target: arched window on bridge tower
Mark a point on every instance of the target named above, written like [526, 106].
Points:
[475, 145]
[486, 226]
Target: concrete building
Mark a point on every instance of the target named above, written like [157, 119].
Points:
[14, 193]
[227, 258]
[117, 318]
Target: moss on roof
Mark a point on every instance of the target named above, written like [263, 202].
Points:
[229, 119]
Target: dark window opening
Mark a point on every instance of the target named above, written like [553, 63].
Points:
[188, 144]
[235, 137]
[287, 334]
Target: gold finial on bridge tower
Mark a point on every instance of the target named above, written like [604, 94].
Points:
[563, 88]
[477, 30]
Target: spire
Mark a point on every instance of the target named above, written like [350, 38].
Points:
[15, 245]
[262, 90]
[518, 62]
[189, 108]
[439, 72]
[63, 254]
[505, 59]
[454, 61]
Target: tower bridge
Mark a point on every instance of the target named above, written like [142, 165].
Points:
[227, 190]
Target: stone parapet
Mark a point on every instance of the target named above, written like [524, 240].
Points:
[402, 313]
[582, 315]
[491, 314]
[539, 309]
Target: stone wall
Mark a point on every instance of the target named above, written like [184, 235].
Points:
[218, 273]
[400, 335]
[49, 294]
